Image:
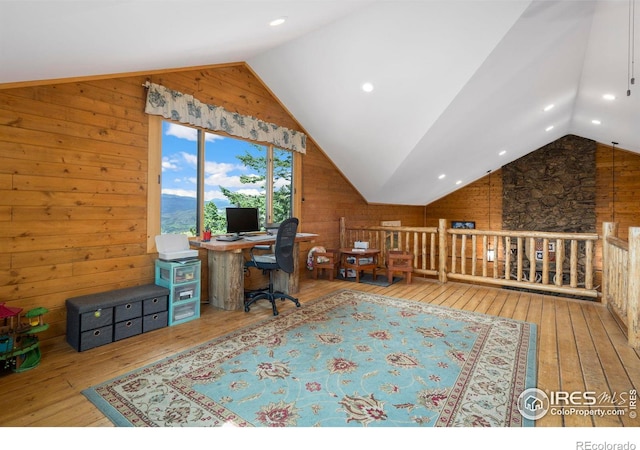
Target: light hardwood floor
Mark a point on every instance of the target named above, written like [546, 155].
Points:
[580, 348]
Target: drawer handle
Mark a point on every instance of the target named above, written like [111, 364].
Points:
[155, 317]
[96, 333]
[155, 300]
[129, 323]
[129, 305]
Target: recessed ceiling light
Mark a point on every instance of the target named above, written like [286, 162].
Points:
[367, 87]
[609, 97]
[503, 152]
[278, 21]
[549, 107]
[441, 177]
[549, 128]
[459, 182]
[596, 122]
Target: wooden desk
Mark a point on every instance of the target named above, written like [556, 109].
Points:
[357, 265]
[226, 270]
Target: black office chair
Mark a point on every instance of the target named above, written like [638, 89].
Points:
[282, 259]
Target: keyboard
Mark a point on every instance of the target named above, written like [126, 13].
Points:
[228, 238]
[259, 237]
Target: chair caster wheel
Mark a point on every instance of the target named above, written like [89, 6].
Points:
[298, 304]
[246, 309]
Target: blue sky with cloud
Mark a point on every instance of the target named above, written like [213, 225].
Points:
[222, 168]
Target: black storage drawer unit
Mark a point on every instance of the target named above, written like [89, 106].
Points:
[98, 319]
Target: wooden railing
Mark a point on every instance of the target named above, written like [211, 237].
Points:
[421, 241]
[552, 262]
[621, 278]
[543, 261]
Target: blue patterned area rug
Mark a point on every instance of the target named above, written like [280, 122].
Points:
[346, 359]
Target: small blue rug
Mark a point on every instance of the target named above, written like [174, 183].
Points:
[367, 278]
[346, 359]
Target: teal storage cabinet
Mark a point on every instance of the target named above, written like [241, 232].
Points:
[183, 281]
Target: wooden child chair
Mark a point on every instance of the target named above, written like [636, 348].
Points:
[325, 260]
[399, 261]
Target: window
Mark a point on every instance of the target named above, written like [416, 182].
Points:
[203, 173]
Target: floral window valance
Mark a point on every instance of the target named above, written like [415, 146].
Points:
[184, 108]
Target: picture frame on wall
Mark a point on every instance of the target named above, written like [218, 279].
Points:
[540, 253]
[463, 225]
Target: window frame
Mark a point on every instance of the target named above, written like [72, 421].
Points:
[154, 179]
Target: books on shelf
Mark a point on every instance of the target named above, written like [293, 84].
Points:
[361, 261]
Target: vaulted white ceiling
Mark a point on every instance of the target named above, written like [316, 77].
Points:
[456, 83]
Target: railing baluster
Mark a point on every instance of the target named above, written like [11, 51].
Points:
[463, 255]
[454, 242]
[532, 260]
[545, 261]
[520, 250]
[588, 263]
[433, 251]
[574, 263]
[495, 256]
[474, 254]
[507, 257]
[559, 281]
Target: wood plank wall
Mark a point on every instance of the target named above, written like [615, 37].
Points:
[73, 183]
[618, 190]
[479, 202]
[73, 193]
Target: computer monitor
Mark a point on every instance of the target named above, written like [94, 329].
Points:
[242, 220]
